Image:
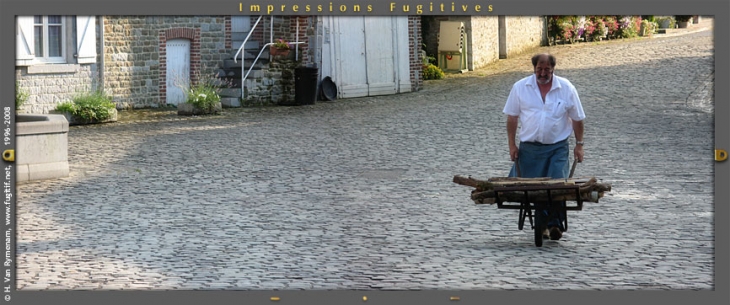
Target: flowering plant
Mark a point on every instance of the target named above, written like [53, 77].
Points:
[648, 27]
[281, 44]
[579, 26]
[203, 89]
[590, 27]
[611, 26]
[600, 30]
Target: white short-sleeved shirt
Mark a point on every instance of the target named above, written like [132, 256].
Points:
[548, 122]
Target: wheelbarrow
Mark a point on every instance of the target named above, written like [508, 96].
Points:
[528, 207]
[536, 194]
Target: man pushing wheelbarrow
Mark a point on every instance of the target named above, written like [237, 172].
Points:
[548, 111]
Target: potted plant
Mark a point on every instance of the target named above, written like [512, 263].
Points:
[88, 107]
[280, 48]
[202, 95]
[664, 22]
[682, 20]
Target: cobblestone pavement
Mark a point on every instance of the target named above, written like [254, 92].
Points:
[358, 193]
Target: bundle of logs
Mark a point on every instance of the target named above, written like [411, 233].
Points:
[484, 190]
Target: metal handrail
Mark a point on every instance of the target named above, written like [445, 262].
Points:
[247, 37]
[243, 78]
[235, 58]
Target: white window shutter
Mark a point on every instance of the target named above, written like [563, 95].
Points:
[86, 39]
[24, 41]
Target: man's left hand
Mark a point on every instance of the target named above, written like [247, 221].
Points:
[578, 153]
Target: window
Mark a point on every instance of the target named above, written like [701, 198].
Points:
[49, 38]
[55, 40]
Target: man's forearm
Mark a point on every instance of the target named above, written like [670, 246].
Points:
[511, 129]
[578, 130]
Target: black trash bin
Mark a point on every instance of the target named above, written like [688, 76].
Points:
[305, 85]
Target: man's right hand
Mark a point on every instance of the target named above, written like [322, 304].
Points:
[513, 152]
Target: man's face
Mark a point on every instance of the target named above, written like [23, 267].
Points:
[544, 72]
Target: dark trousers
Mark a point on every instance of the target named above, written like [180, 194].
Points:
[545, 160]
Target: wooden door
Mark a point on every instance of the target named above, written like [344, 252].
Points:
[350, 62]
[380, 55]
[366, 56]
[178, 70]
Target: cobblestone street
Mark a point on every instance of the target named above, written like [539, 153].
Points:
[358, 193]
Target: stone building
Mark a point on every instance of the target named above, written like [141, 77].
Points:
[142, 61]
[488, 38]
[56, 57]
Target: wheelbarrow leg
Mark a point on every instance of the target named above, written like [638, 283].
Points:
[539, 226]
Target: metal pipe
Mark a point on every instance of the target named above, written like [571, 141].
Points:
[101, 60]
[296, 50]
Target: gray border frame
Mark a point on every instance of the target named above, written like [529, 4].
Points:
[719, 8]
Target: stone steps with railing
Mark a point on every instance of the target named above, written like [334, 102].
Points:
[232, 71]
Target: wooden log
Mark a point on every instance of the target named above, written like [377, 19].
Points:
[483, 185]
[591, 191]
[495, 179]
[538, 196]
[468, 181]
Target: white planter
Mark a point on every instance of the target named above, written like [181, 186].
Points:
[190, 109]
[74, 120]
[41, 147]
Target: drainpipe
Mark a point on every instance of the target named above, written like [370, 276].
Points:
[296, 51]
[545, 36]
[416, 50]
[271, 29]
[101, 53]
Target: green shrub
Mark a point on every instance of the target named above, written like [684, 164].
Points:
[89, 106]
[432, 72]
[203, 93]
[431, 60]
[648, 27]
[21, 96]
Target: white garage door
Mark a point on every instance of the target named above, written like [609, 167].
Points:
[366, 56]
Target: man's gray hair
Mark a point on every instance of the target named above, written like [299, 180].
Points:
[536, 59]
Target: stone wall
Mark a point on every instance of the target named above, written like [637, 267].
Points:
[274, 83]
[523, 33]
[416, 62]
[134, 53]
[484, 42]
[52, 84]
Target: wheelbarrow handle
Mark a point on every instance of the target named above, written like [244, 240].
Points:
[572, 169]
